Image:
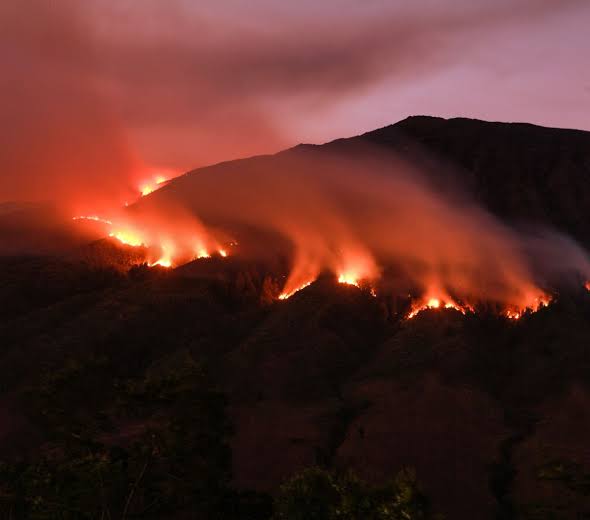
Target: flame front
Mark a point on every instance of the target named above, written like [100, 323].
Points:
[368, 230]
[127, 237]
[172, 241]
[286, 295]
[437, 299]
[532, 304]
[349, 279]
[152, 185]
[166, 259]
[94, 218]
[169, 240]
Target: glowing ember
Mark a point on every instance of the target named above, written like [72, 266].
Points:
[587, 285]
[223, 252]
[284, 296]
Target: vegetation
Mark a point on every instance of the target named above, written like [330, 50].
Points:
[317, 494]
[116, 396]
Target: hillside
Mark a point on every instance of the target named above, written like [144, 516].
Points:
[201, 392]
[520, 172]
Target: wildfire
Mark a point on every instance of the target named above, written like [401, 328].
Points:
[348, 279]
[437, 300]
[162, 262]
[167, 254]
[170, 241]
[94, 218]
[537, 303]
[285, 295]
[146, 189]
[127, 237]
[177, 245]
[152, 185]
[513, 315]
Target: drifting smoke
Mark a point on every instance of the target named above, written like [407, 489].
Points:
[373, 220]
[171, 236]
[91, 93]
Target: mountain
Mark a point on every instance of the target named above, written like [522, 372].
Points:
[520, 172]
[187, 392]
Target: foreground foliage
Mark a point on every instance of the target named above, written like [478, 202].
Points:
[317, 494]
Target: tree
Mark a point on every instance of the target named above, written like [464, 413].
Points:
[318, 494]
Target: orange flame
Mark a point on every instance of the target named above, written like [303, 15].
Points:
[146, 189]
[349, 279]
[167, 254]
[437, 302]
[285, 295]
[180, 240]
[149, 187]
[93, 218]
[127, 237]
[177, 237]
[532, 305]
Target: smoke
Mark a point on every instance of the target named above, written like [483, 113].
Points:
[374, 218]
[60, 140]
[93, 93]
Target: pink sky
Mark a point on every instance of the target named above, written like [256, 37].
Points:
[96, 93]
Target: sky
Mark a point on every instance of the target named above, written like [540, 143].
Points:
[97, 96]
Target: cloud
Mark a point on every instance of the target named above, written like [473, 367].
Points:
[93, 92]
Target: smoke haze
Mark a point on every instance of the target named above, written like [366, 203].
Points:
[97, 95]
[374, 217]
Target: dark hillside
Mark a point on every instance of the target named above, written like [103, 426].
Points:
[519, 171]
[136, 392]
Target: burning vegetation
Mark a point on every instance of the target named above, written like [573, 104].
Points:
[167, 244]
[374, 223]
[153, 184]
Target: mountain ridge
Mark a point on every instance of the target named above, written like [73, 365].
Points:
[521, 172]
